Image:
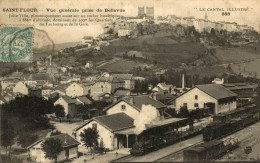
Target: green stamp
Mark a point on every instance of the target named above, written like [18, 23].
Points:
[16, 44]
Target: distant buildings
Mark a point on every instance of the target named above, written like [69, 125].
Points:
[149, 12]
[202, 25]
[87, 40]
[163, 88]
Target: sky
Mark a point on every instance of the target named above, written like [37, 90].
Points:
[182, 8]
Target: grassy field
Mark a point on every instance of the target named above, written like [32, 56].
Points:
[123, 66]
[239, 54]
[163, 50]
[208, 71]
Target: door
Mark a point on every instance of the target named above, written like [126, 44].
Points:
[67, 154]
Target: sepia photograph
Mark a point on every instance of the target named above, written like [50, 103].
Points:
[129, 81]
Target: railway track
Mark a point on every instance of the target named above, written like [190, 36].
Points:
[170, 155]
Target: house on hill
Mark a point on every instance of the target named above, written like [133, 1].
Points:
[87, 40]
[107, 126]
[69, 149]
[213, 96]
[132, 106]
[127, 78]
[89, 64]
[163, 88]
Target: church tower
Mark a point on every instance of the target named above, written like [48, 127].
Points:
[206, 16]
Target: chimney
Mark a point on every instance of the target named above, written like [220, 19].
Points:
[115, 99]
[154, 96]
[50, 59]
[183, 82]
[131, 99]
[65, 139]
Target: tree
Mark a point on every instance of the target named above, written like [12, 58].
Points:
[184, 112]
[26, 138]
[56, 132]
[89, 137]
[7, 135]
[212, 31]
[59, 111]
[52, 148]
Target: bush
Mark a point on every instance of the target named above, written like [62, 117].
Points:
[55, 132]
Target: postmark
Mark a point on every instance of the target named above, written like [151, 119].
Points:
[16, 44]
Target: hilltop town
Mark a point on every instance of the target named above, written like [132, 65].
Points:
[145, 80]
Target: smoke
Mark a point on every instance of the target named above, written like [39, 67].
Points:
[147, 115]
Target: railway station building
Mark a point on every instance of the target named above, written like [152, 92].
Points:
[118, 131]
[215, 97]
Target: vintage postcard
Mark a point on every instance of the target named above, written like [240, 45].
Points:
[129, 81]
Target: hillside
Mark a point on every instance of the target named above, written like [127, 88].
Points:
[163, 50]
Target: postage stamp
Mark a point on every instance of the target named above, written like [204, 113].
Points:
[16, 44]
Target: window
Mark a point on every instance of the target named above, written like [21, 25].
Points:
[101, 86]
[122, 107]
[196, 105]
[184, 104]
[196, 97]
[94, 126]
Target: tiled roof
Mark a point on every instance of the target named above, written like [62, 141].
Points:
[113, 122]
[122, 93]
[84, 100]
[70, 100]
[66, 140]
[165, 86]
[217, 91]
[39, 76]
[138, 101]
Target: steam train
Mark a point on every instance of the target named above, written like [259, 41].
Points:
[208, 151]
[231, 122]
[223, 125]
[155, 142]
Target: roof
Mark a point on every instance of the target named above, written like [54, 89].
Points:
[137, 102]
[70, 100]
[165, 86]
[39, 76]
[123, 76]
[217, 91]
[217, 79]
[113, 122]
[61, 87]
[122, 93]
[66, 140]
[84, 100]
